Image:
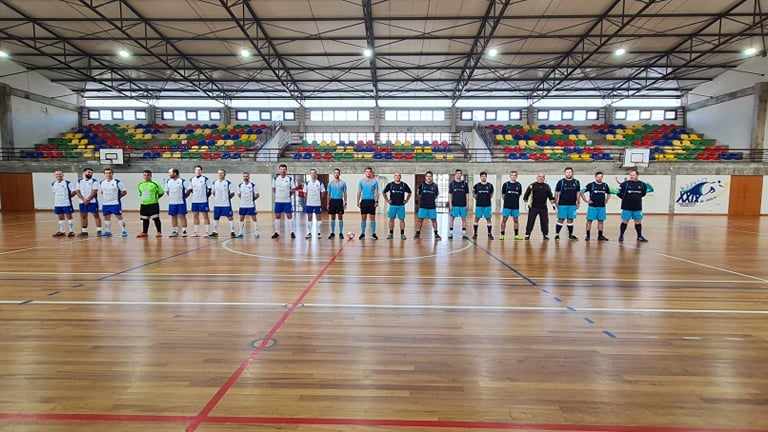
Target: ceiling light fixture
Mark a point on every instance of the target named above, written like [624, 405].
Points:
[368, 52]
[4, 54]
[750, 51]
[244, 53]
[620, 51]
[124, 53]
[493, 52]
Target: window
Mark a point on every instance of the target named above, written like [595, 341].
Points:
[555, 115]
[265, 115]
[204, 115]
[93, 115]
[402, 115]
[515, 115]
[567, 115]
[191, 115]
[542, 115]
[427, 115]
[327, 116]
[670, 115]
[180, 115]
[340, 116]
[351, 115]
[316, 116]
[289, 115]
[414, 115]
[105, 115]
[130, 114]
[117, 115]
[466, 115]
[215, 115]
[593, 115]
[490, 115]
[167, 115]
[645, 115]
[620, 115]
[241, 115]
[390, 115]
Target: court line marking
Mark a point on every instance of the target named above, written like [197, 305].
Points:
[387, 306]
[20, 250]
[399, 423]
[712, 267]
[226, 247]
[265, 340]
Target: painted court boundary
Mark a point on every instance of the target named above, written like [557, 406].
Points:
[399, 423]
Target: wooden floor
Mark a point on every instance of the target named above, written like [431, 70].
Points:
[126, 334]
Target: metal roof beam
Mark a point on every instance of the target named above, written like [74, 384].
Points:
[371, 41]
[488, 25]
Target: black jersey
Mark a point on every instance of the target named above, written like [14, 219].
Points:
[631, 194]
[511, 193]
[598, 193]
[569, 191]
[483, 193]
[397, 192]
[428, 193]
[459, 191]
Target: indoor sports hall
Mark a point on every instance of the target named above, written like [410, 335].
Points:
[309, 324]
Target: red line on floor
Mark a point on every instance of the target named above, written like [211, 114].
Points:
[399, 423]
[265, 340]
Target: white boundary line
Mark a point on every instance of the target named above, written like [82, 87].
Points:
[713, 267]
[388, 306]
[20, 250]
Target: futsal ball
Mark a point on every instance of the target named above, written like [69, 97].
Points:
[350, 235]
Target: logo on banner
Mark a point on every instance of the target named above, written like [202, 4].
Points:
[700, 192]
[614, 190]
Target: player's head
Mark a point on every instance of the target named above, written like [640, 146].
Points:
[313, 174]
[513, 175]
[568, 173]
[483, 176]
[147, 174]
[398, 176]
[87, 173]
[633, 175]
[458, 174]
[246, 176]
[108, 173]
[599, 176]
[222, 174]
[59, 175]
[540, 178]
[336, 173]
[282, 170]
[428, 176]
[173, 173]
[198, 171]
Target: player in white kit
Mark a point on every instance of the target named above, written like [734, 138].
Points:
[177, 190]
[248, 193]
[63, 191]
[112, 191]
[222, 191]
[87, 190]
[314, 189]
[201, 190]
[283, 186]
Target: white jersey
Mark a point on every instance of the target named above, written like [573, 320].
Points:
[111, 191]
[62, 191]
[314, 190]
[283, 187]
[221, 190]
[248, 192]
[86, 187]
[176, 190]
[201, 187]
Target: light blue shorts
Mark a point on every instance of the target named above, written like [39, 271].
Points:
[427, 213]
[631, 214]
[396, 211]
[483, 212]
[460, 212]
[595, 213]
[510, 212]
[566, 212]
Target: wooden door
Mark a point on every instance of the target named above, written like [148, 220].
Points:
[418, 179]
[746, 196]
[17, 192]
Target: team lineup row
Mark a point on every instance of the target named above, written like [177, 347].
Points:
[200, 190]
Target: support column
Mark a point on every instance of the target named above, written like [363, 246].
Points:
[530, 114]
[609, 114]
[6, 125]
[760, 117]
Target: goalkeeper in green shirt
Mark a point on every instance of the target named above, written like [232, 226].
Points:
[150, 192]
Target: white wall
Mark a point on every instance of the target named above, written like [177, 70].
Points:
[745, 76]
[35, 122]
[729, 122]
[764, 206]
[19, 78]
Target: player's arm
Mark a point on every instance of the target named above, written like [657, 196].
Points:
[620, 193]
[187, 188]
[407, 196]
[79, 193]
[72, 193]
[345, 196]
[645, 189]
[579, 197]
[359, 194]
[376, 195]
[231, 191]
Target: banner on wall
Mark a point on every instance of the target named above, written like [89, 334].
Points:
[656, 199]
[702, 194]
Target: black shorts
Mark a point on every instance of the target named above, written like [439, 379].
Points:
[367, 207]
[336, 206]
[147, 211]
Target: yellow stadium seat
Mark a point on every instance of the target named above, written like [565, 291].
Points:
[573, 137]
[610, 137]
[582, 137]
[449, 156]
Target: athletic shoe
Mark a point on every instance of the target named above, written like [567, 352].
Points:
[195, 234]
[417, 236]
[142, 234]
[501, 236]
[474, 236]
[83, 234]
[319, 236]
[602, 238]
[546, 237]
[642, 239]
[239, 235]
[374, 236]
[183, 233]
[124, 233]
[621, 239]
[308, 236]
[437, 236]
[490, 236]
[174, 234]
[98, 233]
[464, 237]
[403, 237]
[232, 235]
[257, 235]
[450, 235]
[60, 234]
[293, 235]
[106, 234]
[572, 237]
[275, 235]
[159, 235]
[389, 236]
[71, 234]
[557, 236]
[332, 236]
[213, 234]
[341, 236]
[527, 237]
[519, 237]
[586, 238]
[362, 236]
